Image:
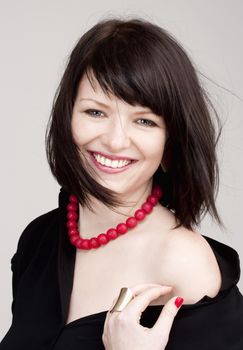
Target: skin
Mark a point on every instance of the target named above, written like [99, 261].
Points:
[177, 258]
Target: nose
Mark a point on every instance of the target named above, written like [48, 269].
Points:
[116, 136]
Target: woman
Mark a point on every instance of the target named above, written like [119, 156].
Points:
[132, 144]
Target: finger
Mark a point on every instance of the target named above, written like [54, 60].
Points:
[108, 314]
[164, 323]
[136, 291]
[140, 303]
[139, 288]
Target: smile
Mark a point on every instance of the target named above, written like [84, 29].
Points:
[110, 166]
[111, 163]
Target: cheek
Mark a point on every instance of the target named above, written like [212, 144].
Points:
[153, 147]
[82, 132]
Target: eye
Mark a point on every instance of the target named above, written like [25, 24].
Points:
[147, 122]
[94, 113]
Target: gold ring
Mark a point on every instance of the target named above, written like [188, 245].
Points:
[124, 298]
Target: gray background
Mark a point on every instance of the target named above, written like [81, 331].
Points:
[36, 38]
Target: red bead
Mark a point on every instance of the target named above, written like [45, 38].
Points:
[72, 207]
[74, 238]
[140, 214]
[148, 207]
[157, 192]
[121, 229]
[102, 239]
[131, 222]
[94, 242]
[78, 243]
[111, 233]
[85, 244]
[152, 199]
[73, 231]
[72, 215]
[71, 224]
[73, 199]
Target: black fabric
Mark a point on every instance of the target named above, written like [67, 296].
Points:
[43, 269]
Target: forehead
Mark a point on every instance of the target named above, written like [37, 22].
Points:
[89, 86]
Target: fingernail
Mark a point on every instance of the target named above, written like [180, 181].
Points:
[178, 302]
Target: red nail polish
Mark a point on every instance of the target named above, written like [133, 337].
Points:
[178, 302]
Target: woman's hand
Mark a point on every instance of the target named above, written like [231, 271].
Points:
[122, 330]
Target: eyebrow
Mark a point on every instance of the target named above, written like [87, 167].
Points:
[97, 102]
[108, 107]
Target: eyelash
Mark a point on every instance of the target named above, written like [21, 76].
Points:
[90, 111]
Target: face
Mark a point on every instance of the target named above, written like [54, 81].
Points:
[124, 144]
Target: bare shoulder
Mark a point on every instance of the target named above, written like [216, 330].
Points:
[189, 265]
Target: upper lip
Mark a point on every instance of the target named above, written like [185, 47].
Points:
[109, 156]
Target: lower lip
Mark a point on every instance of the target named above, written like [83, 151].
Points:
[108, 170]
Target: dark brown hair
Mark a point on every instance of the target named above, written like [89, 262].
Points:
[142, 64]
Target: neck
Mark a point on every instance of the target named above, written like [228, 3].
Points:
[93, 223]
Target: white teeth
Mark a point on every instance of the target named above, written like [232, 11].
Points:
[107, 162]
[114, 163]
[111, 163]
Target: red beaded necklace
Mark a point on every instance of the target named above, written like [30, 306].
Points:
[112, 233]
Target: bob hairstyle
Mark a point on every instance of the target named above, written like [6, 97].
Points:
[142, 64]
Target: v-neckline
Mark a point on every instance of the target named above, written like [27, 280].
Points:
[227, 258]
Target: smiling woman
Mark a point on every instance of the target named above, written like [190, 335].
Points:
[116, 133]
[133, 146]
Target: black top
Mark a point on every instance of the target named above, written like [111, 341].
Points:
[43, 269]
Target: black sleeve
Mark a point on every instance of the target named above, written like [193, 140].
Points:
[28, 242]
[215, 325]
